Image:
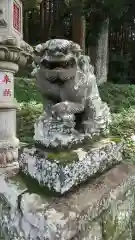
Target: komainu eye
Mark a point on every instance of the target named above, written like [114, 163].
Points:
[65, 51]
[45, 63]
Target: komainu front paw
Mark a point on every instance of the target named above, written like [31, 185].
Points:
[60, 109]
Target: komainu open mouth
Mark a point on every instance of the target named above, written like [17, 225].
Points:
[59, 64]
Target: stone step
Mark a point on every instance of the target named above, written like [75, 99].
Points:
[61, 171]
[102, 209]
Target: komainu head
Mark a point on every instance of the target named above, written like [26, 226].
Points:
[57, 59]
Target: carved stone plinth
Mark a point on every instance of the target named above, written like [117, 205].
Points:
[62, 170]
[58, 133]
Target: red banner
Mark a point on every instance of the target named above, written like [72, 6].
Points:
[17, 17]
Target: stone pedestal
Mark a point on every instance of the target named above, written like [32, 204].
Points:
[8, 142]
[14, 52]
[11, 57]
[62, 170]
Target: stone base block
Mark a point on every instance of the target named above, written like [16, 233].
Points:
[101, 210]
[61, 171]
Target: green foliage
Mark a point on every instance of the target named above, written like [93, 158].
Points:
[30, 108]
[30, 4]
[111, 8]
[26, 91]
[116, 8]
[27, 115]
[120, 97]
[119, 67]
[121, 100]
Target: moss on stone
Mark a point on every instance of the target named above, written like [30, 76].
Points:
[17, 180]
[67, 156]
[29, 184]
[109, 226]
[115, 139]
[63, 157]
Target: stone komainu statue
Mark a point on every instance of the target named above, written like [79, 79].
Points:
[66, 78]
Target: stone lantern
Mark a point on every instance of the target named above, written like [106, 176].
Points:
[14, 52]
[11, 19]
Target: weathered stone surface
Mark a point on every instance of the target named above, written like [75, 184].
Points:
[63, 170]
[127, 234]
[118, 218]
[80, 215]
[94, 232]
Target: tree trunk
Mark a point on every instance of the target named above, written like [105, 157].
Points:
[101, 65]
[44, 20]
[83, 33]
[50, 18]
[92, 55]
[26, 26]
[78, 28]
[57, 29]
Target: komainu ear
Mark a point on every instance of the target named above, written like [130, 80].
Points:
[75, 48]
[39, 48]
[84, 63]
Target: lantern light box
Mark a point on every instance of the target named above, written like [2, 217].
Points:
[11, 19]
